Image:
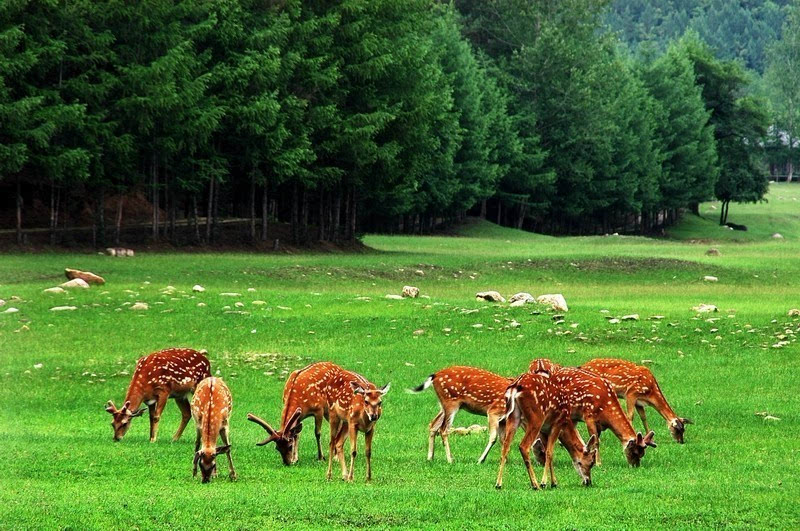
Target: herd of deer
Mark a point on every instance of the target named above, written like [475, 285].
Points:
[546, 401]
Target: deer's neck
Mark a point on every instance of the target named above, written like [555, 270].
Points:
[134, 395]
[621, 427]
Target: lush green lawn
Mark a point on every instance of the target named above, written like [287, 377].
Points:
[63, 470]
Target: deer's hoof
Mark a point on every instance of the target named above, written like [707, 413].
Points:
[498, 486]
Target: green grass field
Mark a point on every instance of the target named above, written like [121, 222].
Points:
[57, 370]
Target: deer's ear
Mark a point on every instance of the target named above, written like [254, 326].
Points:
[539, 445]
[126, 405]
[110, 407]
[224, 449]
[639, 439]
[648, 440]
[357, 389]
[687, 421]
[591, 444]
[385, 388]
[194, 463]
[138, 413]
[293, 420]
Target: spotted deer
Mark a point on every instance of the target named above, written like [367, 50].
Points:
[170, 373]
[478, 391]
[592, 399]
[540, 406]
[355, 405]
[211, 410]
[304, 395]
[637, 385]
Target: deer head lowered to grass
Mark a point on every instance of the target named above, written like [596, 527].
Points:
[170, 373]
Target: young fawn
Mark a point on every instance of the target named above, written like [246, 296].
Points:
[533, 401]
[171, 373]
[304, 395]
[355, 405]
[637, 385]
[478, 391]
[211, 409]
[592, 399]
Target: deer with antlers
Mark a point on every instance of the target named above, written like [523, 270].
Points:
[478, 391]
[591, 399]
[637, 385]
[170, 373]
[539, 405]
[355, 405]
[304, 395]
[211, 408]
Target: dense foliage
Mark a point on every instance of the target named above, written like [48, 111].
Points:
[353, 115]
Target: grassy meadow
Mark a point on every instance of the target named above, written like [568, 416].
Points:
[724, 370]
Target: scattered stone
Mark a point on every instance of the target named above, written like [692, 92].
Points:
[419, 332]
[647, 362]
[771, 417]
[794, 312]
[514, 324]
[229, 294]
[556, 302]
[614, 321]
[410, 292]
[713, 252]
[57, 289]
[489, 296]
[86, 276]
[63, 308]
[778, 236]
[75, 283]
[198, 288]
[283, 307]
[709, 278]
[705, 308]
[251, 290]
[419, 272]
[238, 304]
[521, 299]
[201, 304]
[477, 325]
[169, 290]
[656, 317]
[604, 311]
[119, 251]
[38, 366]
[2, 303]
[631, 317]
[140, 306]
[557, 317]
[11, 310]
[394, 297]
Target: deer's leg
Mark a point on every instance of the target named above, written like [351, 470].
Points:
[226, 439]
[449, 415]
[531, 432]
[343, 428]
[317, 432]
[539, 450]
[494, 421]
[196, 449]
[368, 451]
[511, 428]
[353, 448]
[155, 415]
[186, 414]
[630, 403]
[643, 416]
[592, 428]
[334, 421]
[296, 448]
[434, 428]
[550, 450]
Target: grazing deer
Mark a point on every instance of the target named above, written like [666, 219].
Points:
[592, 399]
[639, 387]
[543, 366]
[478, 391]
[355, 405]
[170, 373]
[534, 401]
[211, 409]
[304, 395]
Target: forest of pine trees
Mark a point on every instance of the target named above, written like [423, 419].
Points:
[159, 120]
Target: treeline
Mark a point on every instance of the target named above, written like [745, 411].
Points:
[344, 116]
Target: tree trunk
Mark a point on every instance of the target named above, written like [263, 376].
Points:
[499, 212]
[210, 208]
[215, 212]
[304, 217]
[695, 208]
[337, 211]
[295, 218]
[353, 213]
[483, 209]
[100, 218]
[264, 212]
[321, 213]
[118, 219]
[252, 208]
[154, 172]
[53, 221]
[195, 223]
[19, 211]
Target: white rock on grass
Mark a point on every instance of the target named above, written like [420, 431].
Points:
[709, 278]
[778, 236]
[556, 301]
[258, 303]
[521, 299]
[794, 312]
[197, 288]
[705, 308]
[631, 317]
[63, 308]
[614, 321]
[411, 292]
[57, 289]
[230, 294]
[11, 310]
[2, 303]
[394, 297]
[489, 296]
[140, 306]
[75, 283]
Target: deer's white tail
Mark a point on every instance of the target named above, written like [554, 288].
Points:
[511, 402]
[424, 385]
